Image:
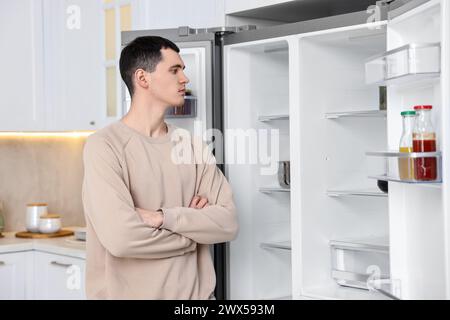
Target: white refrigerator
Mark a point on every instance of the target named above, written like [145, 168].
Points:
[309, 93]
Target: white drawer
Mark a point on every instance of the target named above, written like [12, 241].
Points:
[58, 277]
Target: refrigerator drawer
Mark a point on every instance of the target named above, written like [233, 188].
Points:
[354, 261]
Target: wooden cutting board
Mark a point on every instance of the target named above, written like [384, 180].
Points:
[34, 235]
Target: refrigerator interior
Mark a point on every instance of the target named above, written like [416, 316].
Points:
[417, 213]
[257, 111]
[339, 119]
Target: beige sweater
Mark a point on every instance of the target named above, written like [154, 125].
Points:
[126, 258]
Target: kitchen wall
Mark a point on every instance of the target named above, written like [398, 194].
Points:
[41, 169]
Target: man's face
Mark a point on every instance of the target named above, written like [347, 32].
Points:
[168, 81]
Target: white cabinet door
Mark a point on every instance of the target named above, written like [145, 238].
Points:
[58, 277]
[232, 6]
[155, 14]
[21, 76]
[13, 276]
[73, 64]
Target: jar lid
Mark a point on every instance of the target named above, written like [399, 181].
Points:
[427, 107]
[408, 113]
[36, 204]
[50, 216]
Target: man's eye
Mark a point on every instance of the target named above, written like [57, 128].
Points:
[175, 71]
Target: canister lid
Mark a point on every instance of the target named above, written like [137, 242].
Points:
[408, 113]
[51, 216]
[426, 107]
[36, 204]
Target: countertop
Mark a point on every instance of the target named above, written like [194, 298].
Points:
[67, 246]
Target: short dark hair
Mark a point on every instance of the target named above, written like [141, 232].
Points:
[142, 53]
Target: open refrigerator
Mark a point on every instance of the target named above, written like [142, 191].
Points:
[314, 86]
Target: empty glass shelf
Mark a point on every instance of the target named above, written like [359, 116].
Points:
[356, 114]
[356, 193]
[283, 245]
[273, 189]
[273, 117]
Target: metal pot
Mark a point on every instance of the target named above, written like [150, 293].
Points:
[284, 173]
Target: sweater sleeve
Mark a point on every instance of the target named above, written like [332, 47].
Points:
[215, 223]
[110, 208]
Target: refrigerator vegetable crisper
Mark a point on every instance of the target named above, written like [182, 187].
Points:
[305, 85]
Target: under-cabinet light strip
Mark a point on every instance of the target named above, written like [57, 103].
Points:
[74, 134]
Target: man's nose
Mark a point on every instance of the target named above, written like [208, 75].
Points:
[184, 79]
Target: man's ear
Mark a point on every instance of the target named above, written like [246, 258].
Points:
[141, 78]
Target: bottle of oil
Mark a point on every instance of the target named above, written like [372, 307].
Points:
[406, 165]
[2, 218]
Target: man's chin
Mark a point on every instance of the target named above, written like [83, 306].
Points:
[179, 103]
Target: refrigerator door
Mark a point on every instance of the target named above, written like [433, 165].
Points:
[419, 213]
[273, 90]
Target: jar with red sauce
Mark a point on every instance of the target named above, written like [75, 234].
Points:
[424, 140]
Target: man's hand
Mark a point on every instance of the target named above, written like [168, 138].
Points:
[153, 218]
[198, 202]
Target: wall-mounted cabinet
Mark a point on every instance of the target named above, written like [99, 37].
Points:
[51, 72]
[233, 6]
[72, 49]
[21, 77]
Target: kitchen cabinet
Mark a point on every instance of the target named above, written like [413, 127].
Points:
[233, 6]
[72, 32]
[58, 277]
[21, 77]
[15, 275]
[57, 45]
[154, 14]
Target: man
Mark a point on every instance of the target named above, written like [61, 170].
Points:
[150, 219]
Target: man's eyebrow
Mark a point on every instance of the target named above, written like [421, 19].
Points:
[177, 66]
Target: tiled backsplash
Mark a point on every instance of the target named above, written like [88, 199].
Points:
[41, 169]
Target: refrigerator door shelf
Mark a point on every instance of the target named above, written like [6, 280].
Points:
[412, 168]
[273, 189]
[407, 64]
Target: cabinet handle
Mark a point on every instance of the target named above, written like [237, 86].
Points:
[59, 264]
[2, 263]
